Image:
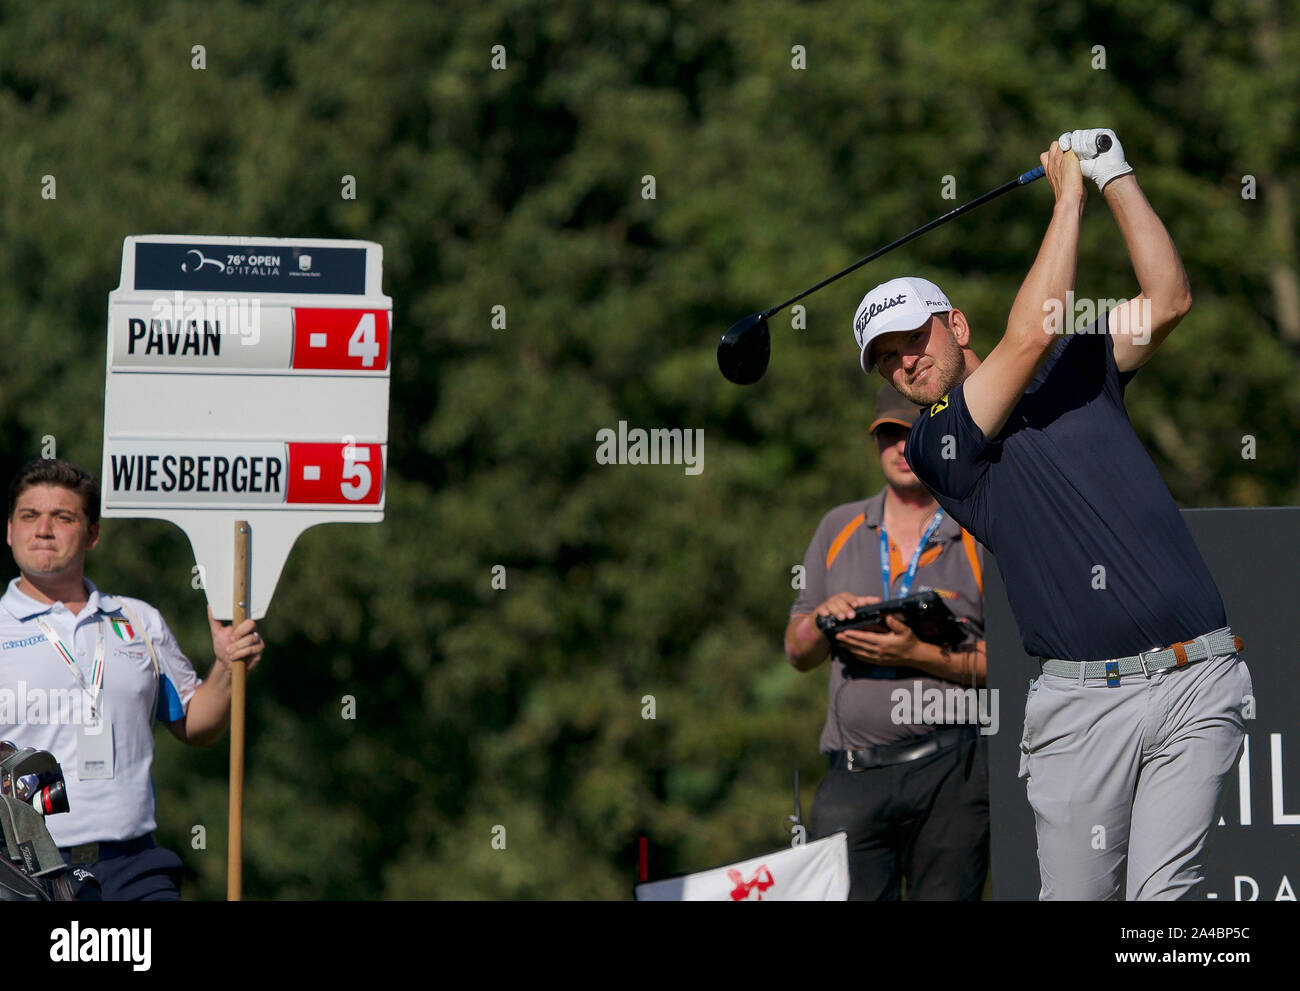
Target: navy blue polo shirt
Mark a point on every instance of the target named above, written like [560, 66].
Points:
[1097, 561]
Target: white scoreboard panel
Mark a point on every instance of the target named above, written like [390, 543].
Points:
[247, 378]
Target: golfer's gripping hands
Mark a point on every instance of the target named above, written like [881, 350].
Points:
[1101, 167]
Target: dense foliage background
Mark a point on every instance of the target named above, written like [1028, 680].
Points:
[524, 187]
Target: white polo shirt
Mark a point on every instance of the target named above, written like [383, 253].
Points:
[42, 703]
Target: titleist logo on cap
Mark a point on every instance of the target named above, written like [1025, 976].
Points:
[875, 309]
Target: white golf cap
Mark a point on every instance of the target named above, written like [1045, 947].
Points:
[899, 304]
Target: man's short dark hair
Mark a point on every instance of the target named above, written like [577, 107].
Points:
[56, 471]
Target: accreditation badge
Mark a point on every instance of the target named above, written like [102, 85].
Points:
[95, 744]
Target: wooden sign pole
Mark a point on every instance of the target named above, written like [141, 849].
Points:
[238, 672]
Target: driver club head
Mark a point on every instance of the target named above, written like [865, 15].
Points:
[744, 350]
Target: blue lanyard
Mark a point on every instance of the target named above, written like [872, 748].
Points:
[910, 574]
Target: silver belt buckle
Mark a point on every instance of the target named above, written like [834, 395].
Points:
[1142, 659]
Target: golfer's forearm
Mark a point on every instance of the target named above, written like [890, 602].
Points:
[208, 713]
[1049, 279]
[805, 647]
[1156, 263]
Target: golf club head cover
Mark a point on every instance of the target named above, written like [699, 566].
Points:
[1099, 166]
[27, 840]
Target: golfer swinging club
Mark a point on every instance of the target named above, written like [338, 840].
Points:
[1137, 716]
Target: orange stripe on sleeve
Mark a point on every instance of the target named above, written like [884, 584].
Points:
[842, 537]
[973, 556]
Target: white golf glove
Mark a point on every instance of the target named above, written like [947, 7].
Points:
[1100, 167]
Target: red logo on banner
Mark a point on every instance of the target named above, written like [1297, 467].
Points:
[760, 882]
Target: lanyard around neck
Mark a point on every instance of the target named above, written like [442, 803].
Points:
[96, 668]
[910, 574]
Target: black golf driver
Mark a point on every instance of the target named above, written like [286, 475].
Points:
[746, 347]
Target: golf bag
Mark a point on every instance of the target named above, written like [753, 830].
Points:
[31, 868]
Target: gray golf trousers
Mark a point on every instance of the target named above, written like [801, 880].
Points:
[1125, 782]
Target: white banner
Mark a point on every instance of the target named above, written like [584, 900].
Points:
[812, 872]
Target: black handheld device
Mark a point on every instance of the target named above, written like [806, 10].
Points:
[925, 613]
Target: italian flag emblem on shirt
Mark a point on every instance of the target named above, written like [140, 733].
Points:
[122, 628]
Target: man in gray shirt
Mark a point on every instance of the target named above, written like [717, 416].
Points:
[908, 779]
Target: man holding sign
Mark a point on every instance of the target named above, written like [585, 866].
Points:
[83, 674]
[245, 401]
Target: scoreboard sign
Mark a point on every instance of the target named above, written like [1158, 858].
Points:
[247, 379]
